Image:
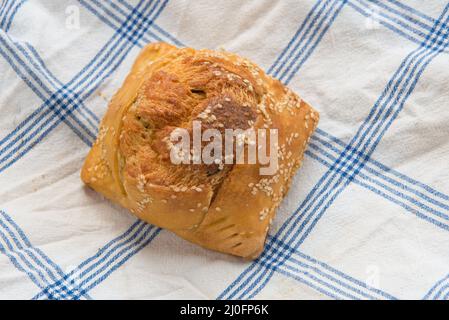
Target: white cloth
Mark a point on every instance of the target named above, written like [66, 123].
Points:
[378, 232]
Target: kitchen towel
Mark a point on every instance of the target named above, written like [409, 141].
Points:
[367, 216]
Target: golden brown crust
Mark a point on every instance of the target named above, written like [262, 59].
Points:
[229, 208]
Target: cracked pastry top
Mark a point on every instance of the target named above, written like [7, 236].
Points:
[227, 208]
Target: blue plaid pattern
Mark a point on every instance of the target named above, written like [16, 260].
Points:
[345, 162]
[346, 166]
[411, 24]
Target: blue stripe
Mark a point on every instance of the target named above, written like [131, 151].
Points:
[29, 262]
[401, 14]
[270, 254]
[308, 283]
[386, 24]
[69, 276]
[18, 265]
[356, 160]
[430, 294]
[355, 286]
[314, 210]
[39, 65]
[28, 244]
[93, 69]
[227, 292]
[13, 13]
[446, 296]
[127, 31]
[358, 286]
[44, 89]
[417, 32]
[125, 4]
[119, 10]
[116, 263]
[287, 48]
[301, 62]
[106, 20]
[412, 10]
[385, 168]
[50, 107]
[314, 45]
[38, 262]
[147, 20]
[312, 190]
[87, 275]
[129, 243]
[381, 193]
[303, 36]
[137, 33]
[440, 292]
[382, 175]
[169, 36]
[32, 269]
[295, 274]
[104, 263]
[90, 117]
[41, 93]
[340, 293]
[6, 8]
[134, 33]
[37, 111]
[339, 181]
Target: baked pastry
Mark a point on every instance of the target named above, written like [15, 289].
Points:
[223, 207]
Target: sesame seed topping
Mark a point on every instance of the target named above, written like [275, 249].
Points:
[263, 214]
